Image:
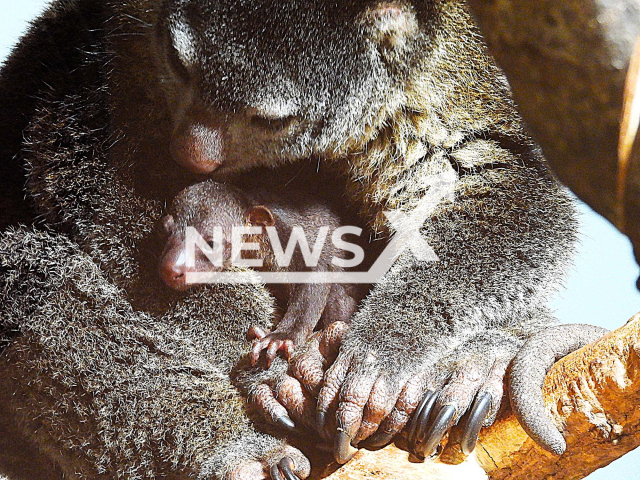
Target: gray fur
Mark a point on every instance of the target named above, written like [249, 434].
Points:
[125, 411]
[116, 376]
[528, 370]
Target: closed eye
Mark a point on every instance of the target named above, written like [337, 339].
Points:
[272, 124]
[176, 64]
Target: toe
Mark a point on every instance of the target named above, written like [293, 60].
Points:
[462, 387]
[256, 333]
[328, 397]
[308, 368]
[410, 397]
[296, 401]
[380, 404]
[265, 401]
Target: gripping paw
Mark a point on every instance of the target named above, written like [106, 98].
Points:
[466, 398]
[375, 402]
[287, 464]
[286, 394]
[270, 342]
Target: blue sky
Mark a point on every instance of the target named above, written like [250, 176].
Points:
[600, 288]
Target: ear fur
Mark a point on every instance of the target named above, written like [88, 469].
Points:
[391, 23]
[260, 216]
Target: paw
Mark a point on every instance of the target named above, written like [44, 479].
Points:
[287, 464]
[286, 394]
[359, 395]
[468, 399]
[271, 343]
[368, 398]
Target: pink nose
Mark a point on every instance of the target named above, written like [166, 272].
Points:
[173, 275]
[198, 148]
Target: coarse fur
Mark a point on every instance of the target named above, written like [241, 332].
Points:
[113, 375]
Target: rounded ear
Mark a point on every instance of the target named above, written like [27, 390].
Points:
[260, 216]
[168, 224]
[391, 23]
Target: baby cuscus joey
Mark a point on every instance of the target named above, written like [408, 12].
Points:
[211, 206]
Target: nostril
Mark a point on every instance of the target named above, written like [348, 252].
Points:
[173, 275]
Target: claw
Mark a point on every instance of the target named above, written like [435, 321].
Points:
[287, 466]
[321, 422]
[380, 440]
[474, 423]
[343, 450]
[435, 432]
[275, 473]
[321, 419]
[323, 427]
[286, 422]
[419, 422]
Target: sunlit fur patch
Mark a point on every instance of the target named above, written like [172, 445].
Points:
[182, 39]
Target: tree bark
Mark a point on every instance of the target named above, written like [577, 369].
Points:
[593, 394]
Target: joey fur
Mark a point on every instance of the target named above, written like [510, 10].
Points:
[210, 205]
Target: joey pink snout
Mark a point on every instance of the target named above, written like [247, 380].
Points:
[198, 147]
[173, 269]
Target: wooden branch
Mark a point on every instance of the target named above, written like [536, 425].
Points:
[593, 393]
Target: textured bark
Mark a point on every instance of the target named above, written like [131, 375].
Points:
[592, 393]
[567, 62]
[391, 463]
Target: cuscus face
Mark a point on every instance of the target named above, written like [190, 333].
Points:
[206, 207]
[254, 82]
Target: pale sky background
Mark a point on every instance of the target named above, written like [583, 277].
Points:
[600, 290]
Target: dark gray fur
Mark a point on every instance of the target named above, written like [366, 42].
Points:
[112, 375]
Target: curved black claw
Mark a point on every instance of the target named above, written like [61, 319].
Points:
[287, 466]
[275, 473]
[379, 440]
[472, 426]
[528, 370]
[427, 445]
[286, 423]
[419, 421]
[343, 450]
[321, 423]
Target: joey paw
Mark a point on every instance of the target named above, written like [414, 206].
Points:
[271, 343]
